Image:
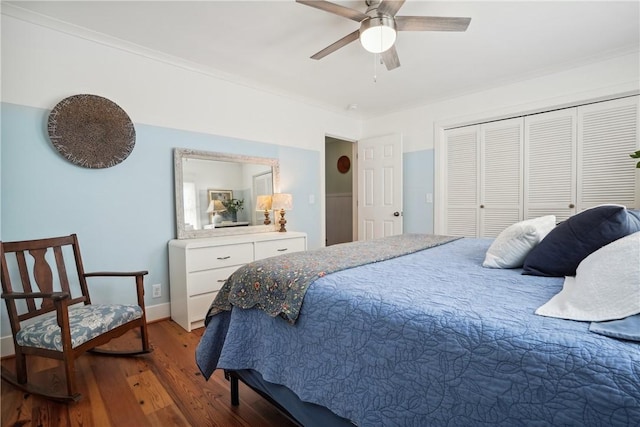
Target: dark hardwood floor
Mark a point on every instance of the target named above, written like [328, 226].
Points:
[163, 388]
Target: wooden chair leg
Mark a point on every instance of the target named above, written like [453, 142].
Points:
[144, 336]
[70, 373]
[21, 367]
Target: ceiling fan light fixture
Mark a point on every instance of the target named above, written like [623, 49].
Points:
[378, 34]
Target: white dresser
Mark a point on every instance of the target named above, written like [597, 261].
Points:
[199, 267]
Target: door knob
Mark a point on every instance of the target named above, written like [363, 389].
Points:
[396, 214]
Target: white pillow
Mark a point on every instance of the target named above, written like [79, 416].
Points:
[514, 242]
[606, 285]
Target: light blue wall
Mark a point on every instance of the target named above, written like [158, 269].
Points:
[418, 172]
[300, 176]
[124, 215]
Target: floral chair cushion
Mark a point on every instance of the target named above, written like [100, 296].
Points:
[86, 322]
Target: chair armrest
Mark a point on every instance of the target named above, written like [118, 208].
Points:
[59, 300]
[55, 296]
[139, 277]
[116, 274]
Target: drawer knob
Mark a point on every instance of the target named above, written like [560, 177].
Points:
[224, 257]
[282, 250]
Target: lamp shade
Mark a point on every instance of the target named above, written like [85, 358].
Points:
[263, 203]
[216, 206]
[282, 201]
[377, 34]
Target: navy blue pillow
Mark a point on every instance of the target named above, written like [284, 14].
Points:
[560, 252]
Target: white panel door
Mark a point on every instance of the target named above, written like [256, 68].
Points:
[550, 164]
[609, 133]
[462, 183]
[501, 175]
[380, 187]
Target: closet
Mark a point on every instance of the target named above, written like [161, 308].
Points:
[558, 162]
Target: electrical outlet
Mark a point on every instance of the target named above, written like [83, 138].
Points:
[157, 290]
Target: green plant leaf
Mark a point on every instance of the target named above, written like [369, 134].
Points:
[233, 205]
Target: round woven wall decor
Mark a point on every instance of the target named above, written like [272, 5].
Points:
[91, 131]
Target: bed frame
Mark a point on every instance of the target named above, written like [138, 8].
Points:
[309, 414]
[234, 378]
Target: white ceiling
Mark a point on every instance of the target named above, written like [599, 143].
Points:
[267, 44]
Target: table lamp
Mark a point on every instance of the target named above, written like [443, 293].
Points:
[215, 207]
[264, 204]
[282, 202]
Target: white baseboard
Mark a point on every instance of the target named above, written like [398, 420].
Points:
[158, 312]
[154, 312]
[6, 346]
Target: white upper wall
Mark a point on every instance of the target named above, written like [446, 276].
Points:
[170, 94]
[155, 92]
[616, 76]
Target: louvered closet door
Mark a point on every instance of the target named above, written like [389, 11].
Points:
[609, 133]
[461, 182]
[501, 147]
[550, 164]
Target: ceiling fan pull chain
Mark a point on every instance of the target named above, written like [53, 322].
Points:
[375, 68]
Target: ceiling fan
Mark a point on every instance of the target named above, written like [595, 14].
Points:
[379, 24]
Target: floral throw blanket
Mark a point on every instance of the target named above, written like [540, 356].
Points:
[277, 285]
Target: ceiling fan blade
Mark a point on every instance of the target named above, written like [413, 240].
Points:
[335, 9]
[337, 45]
[390, 7]
[431, 23]
[390, 58]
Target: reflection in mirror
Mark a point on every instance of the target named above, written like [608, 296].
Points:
[216, 193]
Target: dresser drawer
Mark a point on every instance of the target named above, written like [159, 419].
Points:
[199, 305]
[219, 256]
[201, 282]
[279, 247]
[198, 268]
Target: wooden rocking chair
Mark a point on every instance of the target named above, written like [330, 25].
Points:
[61, 324]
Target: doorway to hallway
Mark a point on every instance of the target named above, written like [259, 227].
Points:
[339, 202]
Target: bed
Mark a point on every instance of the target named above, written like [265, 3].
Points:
[430, 337]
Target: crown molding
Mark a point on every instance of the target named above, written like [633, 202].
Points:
[26, 15]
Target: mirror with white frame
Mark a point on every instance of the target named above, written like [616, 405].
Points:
[205, 183]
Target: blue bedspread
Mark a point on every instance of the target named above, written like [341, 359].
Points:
[433, 339]
[277, 285]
